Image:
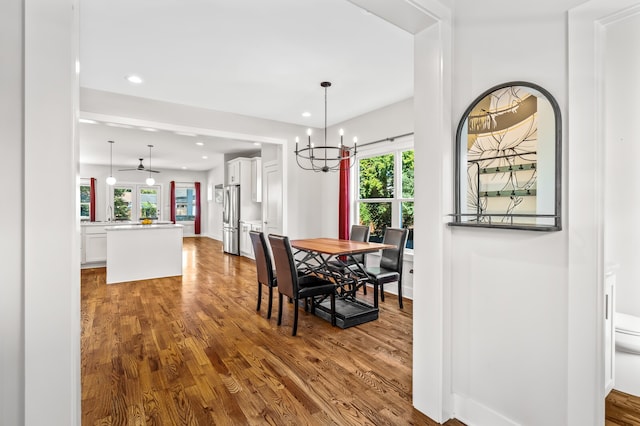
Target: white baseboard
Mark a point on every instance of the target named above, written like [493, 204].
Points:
[472, 413]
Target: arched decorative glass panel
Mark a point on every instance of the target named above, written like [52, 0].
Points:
[508, 160]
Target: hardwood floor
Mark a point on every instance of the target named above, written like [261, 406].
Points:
[622, 409]
[193, 350]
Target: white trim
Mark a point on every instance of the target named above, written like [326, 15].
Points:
[584, 219]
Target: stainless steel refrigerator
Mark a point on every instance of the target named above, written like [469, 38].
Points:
[231, 219]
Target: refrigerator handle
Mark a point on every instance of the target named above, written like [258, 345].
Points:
[225, 204]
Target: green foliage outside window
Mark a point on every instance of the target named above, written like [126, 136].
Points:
[376, 181]
[376, 185]
[122, 203]
[85, 201]
[149, 203]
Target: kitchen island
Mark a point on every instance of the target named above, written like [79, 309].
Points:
[140, 252]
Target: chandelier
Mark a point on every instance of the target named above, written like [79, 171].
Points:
[325, 158]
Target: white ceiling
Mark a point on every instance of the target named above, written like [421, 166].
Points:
[253, 57]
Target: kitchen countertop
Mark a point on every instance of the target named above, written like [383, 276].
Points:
[139, 227]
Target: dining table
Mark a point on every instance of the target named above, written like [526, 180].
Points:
[313, 256]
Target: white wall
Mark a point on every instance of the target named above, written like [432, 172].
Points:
[11, 219]
[45, 297]
[509, 288]
[622, 151]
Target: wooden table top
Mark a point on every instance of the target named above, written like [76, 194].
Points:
[335, 246]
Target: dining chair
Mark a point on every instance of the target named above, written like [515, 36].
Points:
[264, 268]
[390, 269]
[296, 286]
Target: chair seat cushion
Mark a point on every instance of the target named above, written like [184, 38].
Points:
[382, 275]
[311, 285]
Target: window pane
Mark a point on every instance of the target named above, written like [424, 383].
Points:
[85, 201]
[407, 174]
[122, 203]
[377, 216]
[376, 177]
[185, 204]
[85, 193]
[406, 211]
[148, 203]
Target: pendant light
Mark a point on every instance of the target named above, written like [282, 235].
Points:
[150, 181]
[325, 158]
[111, 180]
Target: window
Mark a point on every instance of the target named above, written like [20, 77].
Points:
[85, 200]
[385, 185]
[135, 202]
[148, 203]
[185, 204]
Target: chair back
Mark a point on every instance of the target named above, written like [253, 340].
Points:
[285, 265]
[264, 266]
[359, 233]
[392, 257]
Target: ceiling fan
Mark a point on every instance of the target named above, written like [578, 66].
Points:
[141, 167]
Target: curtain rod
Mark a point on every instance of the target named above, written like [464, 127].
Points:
[389, 139]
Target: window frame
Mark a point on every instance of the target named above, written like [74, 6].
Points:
[186, 185]
[396, 148]
[84, 182]
[136, 208]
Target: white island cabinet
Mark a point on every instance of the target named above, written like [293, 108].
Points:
[140, 252]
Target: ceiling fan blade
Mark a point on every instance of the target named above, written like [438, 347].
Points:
[152, 171]
[128, 170]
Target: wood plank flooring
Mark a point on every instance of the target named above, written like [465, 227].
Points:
[622, 409]
[192, 350]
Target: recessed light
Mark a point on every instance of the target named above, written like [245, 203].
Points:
[134, 79]
[306, 114]
[148, 129]
[124, 126]
[184, 167]
[204, 157]
[257, 143]
[186, 134]
[86, 121]
[199, 143]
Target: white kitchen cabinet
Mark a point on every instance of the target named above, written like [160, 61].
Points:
[256, 179]
[234, 171]
[94, 244]
[246, 248]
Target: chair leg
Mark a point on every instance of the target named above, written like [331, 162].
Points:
[364, 288]
[279, 308]
[295, 317]
[375, 295]
[270, 305]
[400, 293]
[382, 292]
[259, 296]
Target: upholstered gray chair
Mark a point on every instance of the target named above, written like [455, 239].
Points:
[390, 269]
[264, 268]
[296, 286]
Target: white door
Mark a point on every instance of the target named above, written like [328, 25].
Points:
[272, 198]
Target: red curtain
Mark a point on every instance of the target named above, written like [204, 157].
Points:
[344, 199]
[92, 200]
[172, 192]
[197, 222]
